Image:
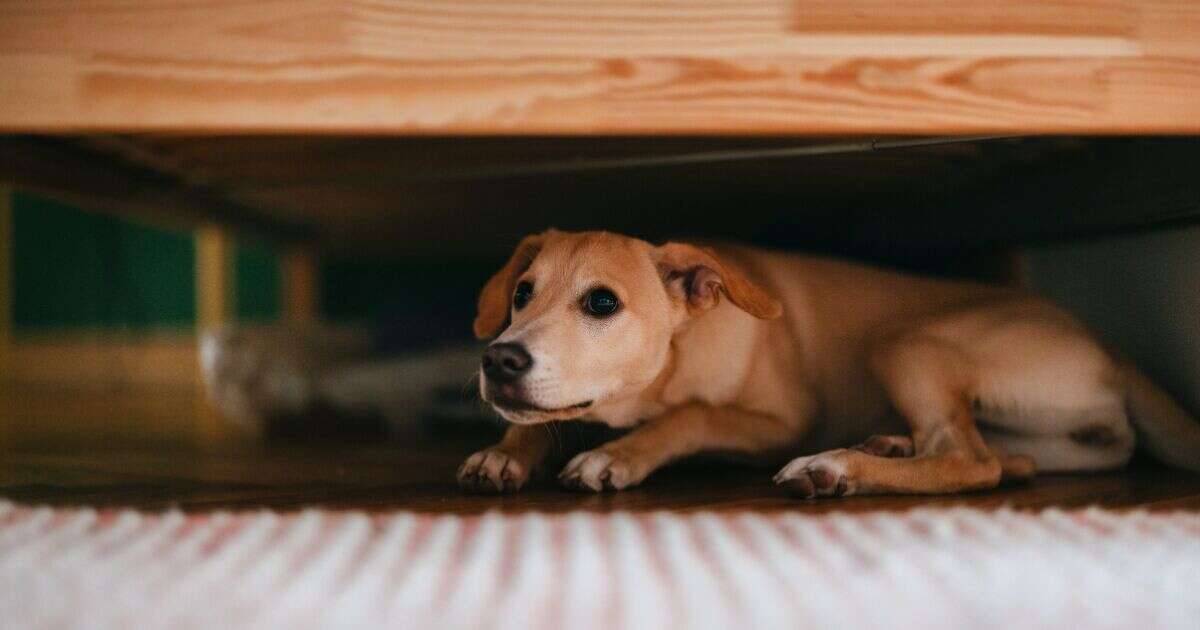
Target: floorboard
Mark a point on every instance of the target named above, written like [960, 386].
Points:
[418, 474]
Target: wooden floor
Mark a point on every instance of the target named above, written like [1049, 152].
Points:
[418, 474]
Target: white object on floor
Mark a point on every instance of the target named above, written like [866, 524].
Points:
[927, 569]
[253, 374]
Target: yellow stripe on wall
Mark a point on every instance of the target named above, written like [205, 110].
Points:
[215, 277]
[215, 307]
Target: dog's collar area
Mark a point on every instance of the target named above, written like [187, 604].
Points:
[513, 404]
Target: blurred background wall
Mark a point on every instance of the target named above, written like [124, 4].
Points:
[78, 271]
[100, 315]
[1140, 292]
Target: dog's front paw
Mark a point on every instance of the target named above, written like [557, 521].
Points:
[493, 470]
[822, 475]
[601, 469]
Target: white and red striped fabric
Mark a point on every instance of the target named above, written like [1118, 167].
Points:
[927, 569]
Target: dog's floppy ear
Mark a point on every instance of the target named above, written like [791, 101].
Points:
[496, 297]
[698, 276]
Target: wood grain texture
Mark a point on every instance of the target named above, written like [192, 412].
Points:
[601, 66]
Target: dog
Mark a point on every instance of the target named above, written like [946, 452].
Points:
[881, 382]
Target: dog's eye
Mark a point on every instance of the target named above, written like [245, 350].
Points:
[601, 302]
[522, 295]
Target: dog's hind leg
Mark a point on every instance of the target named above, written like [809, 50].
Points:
[929, 382]
[1013, 468]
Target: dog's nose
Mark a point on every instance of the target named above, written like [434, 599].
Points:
[506, 362]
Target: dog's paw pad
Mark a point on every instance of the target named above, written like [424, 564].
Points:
[887, 446]
[798, 486]
[599, 470]
[815, 476]
[492, 470]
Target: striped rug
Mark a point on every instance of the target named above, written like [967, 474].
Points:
[926, 569]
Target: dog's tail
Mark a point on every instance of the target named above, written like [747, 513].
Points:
[1167, 431]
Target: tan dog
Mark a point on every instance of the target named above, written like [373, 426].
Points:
[763, 354]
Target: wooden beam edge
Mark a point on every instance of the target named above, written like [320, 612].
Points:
[107, 182]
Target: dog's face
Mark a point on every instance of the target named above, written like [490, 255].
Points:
[587, 318]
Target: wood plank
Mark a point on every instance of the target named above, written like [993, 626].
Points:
[148, 460]
[419, 475]
[405, 196]
[602, 66]
[103, 181]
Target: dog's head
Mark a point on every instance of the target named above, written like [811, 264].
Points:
[580, 319]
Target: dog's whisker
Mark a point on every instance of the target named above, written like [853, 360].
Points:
[557, 433]
[549, 430]
[471, 380]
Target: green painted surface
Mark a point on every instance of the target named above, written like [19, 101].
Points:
[258, 282]
[73, 269]
[79, 270]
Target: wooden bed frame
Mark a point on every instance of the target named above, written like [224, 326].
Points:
[601, 66]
